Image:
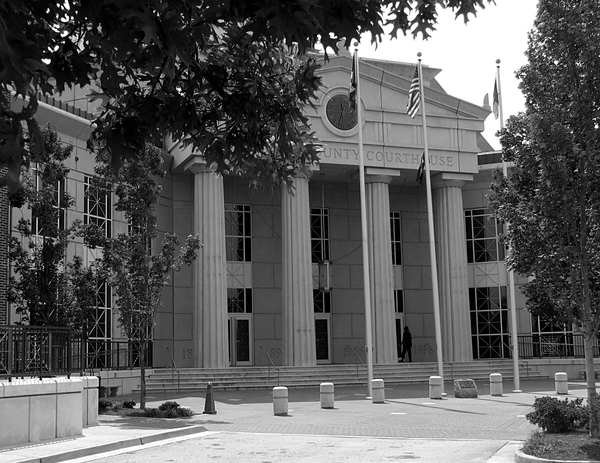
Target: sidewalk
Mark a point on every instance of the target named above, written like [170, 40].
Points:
[407, 414]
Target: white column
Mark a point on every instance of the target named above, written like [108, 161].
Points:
[298, 310]
[210, 288]
[381, 271]
[451, 249]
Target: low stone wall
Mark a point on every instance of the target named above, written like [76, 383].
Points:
[548, 367]
[120, 382]
[33, 410]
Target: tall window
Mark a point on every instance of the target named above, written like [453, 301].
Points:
[58, 202]
[395, 222]
[98, 210]
[482, 237]
[238, 233]
[319, 234]
[99, 331]
[97, 206]
[489, 322]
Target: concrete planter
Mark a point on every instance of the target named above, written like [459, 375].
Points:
[40, 409]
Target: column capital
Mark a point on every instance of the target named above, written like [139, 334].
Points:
[196, 165]
[450, 179]
[306, 171]
[379, 175]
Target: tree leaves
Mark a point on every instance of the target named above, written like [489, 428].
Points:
[552, 197]
[189, 68]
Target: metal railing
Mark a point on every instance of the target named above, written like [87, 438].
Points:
[27, 351]
[272, 364]
[358, 358]
[173, 369]
[554, 346]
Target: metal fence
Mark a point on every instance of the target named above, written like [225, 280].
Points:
[48, 351]
[554, 346]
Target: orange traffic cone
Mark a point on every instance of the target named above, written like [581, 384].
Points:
[209, 404]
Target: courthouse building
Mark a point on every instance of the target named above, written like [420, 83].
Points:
[280, 274]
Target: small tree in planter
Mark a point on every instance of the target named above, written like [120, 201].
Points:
[137, 274]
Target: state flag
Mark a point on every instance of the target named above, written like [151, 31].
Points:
[353, 85]
[496, 101]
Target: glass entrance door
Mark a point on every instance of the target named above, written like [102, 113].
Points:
[240, 340]
[322, 337]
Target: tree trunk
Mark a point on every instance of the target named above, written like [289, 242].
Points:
[142, 346]
[588, 344]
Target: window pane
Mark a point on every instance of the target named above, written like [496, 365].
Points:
[319, 233]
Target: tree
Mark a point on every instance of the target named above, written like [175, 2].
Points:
[136, 274]
[40, 285]
[216, 75]
[551, 199]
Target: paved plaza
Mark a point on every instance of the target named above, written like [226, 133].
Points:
[408, 425]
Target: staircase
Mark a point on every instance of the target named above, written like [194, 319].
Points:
[236, 378]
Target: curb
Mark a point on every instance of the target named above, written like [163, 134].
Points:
[118, 445]
[521, 457]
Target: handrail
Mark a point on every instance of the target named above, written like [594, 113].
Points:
[358, 357]
[444, 361]
[272, 364]
[173, 369]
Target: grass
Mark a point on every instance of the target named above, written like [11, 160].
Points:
[574, 446]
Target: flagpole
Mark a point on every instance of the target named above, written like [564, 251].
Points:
[511, 274]
[434, 278]
[365, 246]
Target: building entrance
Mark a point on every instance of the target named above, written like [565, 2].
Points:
[240, 336]
[322, 336]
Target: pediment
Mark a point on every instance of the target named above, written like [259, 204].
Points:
[385, 86]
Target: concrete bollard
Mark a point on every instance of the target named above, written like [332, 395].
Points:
[280, 401]
[435, 387]
[495, 384]
[327, 399]
[378, 389]
[560, 381]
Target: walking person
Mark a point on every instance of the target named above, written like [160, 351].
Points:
[406, 345]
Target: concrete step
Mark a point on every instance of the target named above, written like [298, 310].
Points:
[236, 378]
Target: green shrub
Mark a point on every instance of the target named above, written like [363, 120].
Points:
[166, 406]
[554, 415]
[151, 412]
[128, 403]
[168, 410]
[104, 404]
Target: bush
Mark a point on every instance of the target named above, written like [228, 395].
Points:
[151, 412]
[128, 403]
[167, 406]
[104, 404]
[168, 410]
[554, 415]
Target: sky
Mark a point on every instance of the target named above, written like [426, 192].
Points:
[467, 54]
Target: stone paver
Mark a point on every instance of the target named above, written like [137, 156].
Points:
[408, 425]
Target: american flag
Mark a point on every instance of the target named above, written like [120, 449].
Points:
[414, 96]
[353, 85]
[496, 103]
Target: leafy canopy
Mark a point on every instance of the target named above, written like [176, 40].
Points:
[217, 75]
[552, 197]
